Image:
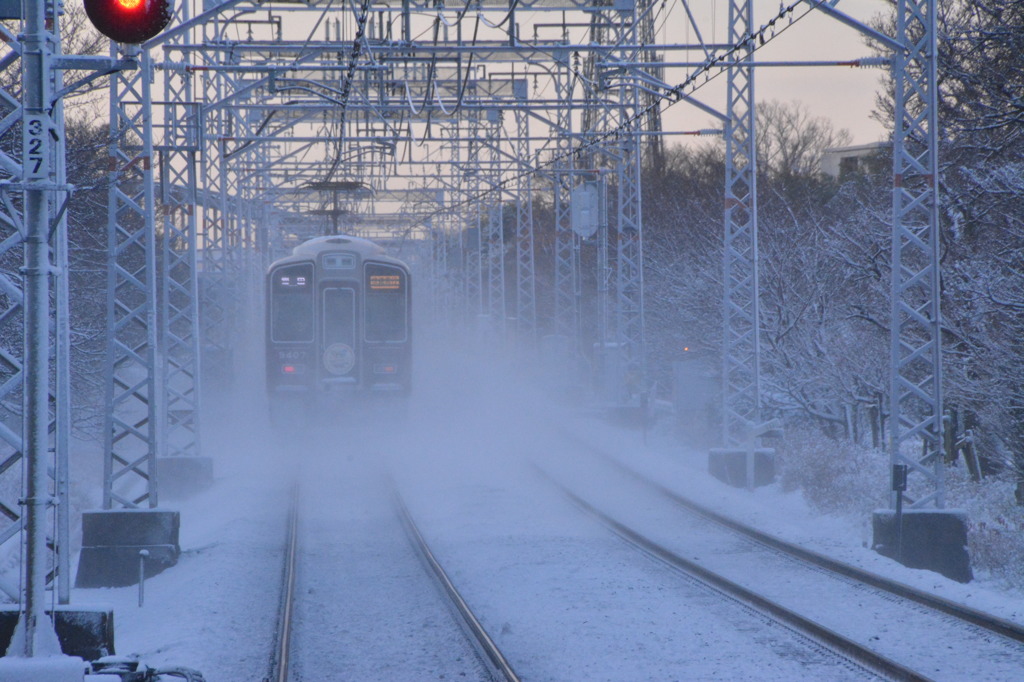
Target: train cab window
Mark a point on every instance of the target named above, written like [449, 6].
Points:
[340, 316]
[385, 314]
[291, 306]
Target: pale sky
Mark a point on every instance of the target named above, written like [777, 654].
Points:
[845, 95]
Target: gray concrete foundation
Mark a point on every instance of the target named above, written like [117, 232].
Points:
[730, 466]
[933, 539]
[112, 541]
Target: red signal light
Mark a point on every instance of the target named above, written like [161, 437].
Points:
[129, 21]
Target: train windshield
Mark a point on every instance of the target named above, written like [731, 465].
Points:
[386, 303]
[292, 303]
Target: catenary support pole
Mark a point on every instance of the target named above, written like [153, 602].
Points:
[916, 391]
[741, 390]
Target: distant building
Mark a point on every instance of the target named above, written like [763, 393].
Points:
[862, 158]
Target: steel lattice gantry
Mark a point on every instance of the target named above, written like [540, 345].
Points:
[611, 134]
[629, 279]
[397, 92]
[474, 243]
[240, 76]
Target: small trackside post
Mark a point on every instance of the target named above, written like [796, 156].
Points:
[143, 555]
[899, 486]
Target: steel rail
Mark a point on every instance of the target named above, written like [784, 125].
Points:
[490, 654]
[847, 648]
[981, 619]
[282, 646]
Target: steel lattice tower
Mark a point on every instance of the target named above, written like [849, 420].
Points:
[15, 375]
[131, 430]
[741, 333]
[916, 391]
[492, 237]
[474, 245]
[179, 310]
[526, 293]
[566, 304]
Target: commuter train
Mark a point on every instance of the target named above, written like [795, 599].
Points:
[339, 317]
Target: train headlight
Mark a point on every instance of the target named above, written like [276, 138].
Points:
[339, 359]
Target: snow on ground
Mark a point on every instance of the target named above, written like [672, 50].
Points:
[216, 610]
[914, 636]
[787, 516]
[564, 599]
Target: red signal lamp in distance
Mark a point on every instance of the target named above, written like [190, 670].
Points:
[129, 21]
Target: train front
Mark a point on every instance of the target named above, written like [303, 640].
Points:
[338, 323]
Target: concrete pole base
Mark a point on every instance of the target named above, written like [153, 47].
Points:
[933, 539]
[113, 540]
[730, 466]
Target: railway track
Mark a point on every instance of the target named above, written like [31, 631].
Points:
[489, 653]
[1001, 637]
[283, 635]
[279, 671]
[987, 621]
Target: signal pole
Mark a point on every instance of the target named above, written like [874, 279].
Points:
[35, 635]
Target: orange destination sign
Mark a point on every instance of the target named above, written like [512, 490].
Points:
[385, 282]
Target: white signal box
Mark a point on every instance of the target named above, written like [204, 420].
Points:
[586, 209]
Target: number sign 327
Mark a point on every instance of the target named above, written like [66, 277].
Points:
[36, 157]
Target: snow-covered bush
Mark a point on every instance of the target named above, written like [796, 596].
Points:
[845, 478]
[995, 532]
[835, 476]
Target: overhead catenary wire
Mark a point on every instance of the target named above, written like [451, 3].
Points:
[346, 88]
[753, 41]
[669, 97]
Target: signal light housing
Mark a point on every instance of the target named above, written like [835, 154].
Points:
[129, 21]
